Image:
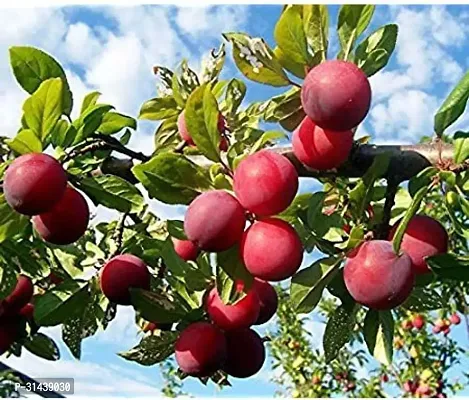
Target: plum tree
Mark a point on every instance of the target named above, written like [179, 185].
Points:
[215, 221]
[321, 149]
[378, 278]
[245, 353]
[271, 249]
[20, 296]
[34, 183]
[185, 249]
[200, 349]
[265, 183]
[336, 95]
[268, 300]
[241, 314]
[59, 225]
[185, 135]
[424, 237]
[121, 273]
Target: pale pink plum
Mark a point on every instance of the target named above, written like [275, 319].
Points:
[186, 249]
[245, 353]
[321, 149]
[336, 95]
[215, 221]
[34, 183]
[424, 237]
[378, 278]
[265, 183]
[200, 349]
[271, 249]
[268, 300]
[121, 273]
[241, 314]
[66, 222]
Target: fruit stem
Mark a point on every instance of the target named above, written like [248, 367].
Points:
[115, 145]
[391, 191]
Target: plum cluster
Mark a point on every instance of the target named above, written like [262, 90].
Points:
[35, 184]
[228, 343]
[265, 184]
[336, 97]
[14, 310]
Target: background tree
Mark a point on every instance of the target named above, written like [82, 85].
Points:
[207, 144]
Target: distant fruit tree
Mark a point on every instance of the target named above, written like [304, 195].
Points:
[390, 221]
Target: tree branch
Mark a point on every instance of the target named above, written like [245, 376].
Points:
[406, 161]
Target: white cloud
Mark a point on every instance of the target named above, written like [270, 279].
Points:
[403, 103]
[202, 21]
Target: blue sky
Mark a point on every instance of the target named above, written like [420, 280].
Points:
[113, 50]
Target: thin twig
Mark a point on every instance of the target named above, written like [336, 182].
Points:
[119, 147]
[99, 145]
[180, 147]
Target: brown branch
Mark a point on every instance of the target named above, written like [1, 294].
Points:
[405, 163]
[115, 145]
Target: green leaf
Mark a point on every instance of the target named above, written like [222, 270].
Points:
[378, 330]
[152, 349]
[156, 306]
[283, 106]
[32, 67]
[411, 211]
[159, 108]
[424, 299]
[453, 107]
[44, 107]
[362, 193]
[8, 278]
[43, 346]
[450, 266]
[353, 20]
[461, 147]
[316, 26]
[235, 92]
[114, 122]
[308, 284]
[11, 222]
[63, 134]
[61, 303]
[269, 137]
[256, 60]
[297, 69]
[423, 178]
[113, 192]
[82, 325]
[290, 36]
[89, 122]
[176, 170]
[25, 142]
[201, 115]
[176, 229]
[374, 52]
[89, 101]
[339, 330]
[231, 269]
[214, 65]
[25, 256]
